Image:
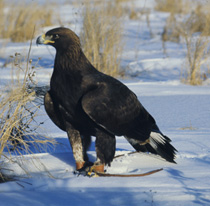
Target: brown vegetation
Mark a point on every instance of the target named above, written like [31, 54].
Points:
[101, 36]
[18, 21]
[18, 110]
[175, 6]
[192, 24]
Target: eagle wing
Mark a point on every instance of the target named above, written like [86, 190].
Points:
[116, 108]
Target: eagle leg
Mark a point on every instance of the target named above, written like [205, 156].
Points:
[86, 141]
[105, 150]
[75, 140]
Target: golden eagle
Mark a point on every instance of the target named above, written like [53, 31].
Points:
[85, 102]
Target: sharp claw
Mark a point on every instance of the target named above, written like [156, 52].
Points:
[89, 169]
[78, 173]
[92, 174]
[85, 170]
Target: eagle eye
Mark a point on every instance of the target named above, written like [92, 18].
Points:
[56, 36]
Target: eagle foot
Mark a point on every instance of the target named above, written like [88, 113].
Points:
[95, 169]
[82, 168]
[89, 169]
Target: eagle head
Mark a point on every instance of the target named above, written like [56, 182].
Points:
[61, 38]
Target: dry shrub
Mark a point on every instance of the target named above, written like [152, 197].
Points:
[194, 28]
[199, 20]
[173, 6]
[170, 32]
[197, 55]
[17, 21]
[133, 15]
[121, 1]
[101, 36]
[18, 111]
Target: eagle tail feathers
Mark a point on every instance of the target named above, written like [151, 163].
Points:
[157, 143]
[161, 145]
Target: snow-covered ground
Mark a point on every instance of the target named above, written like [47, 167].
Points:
[181, 111]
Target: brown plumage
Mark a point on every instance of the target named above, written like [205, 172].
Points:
[85, 102]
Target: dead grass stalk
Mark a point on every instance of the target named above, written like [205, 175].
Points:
[17, 21]
[197, 55]
[101, 36]
[192, 25]
[18, 112]
[175, 7]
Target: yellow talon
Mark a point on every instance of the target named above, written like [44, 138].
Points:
[95, 175]
[89, 173]
[91, 170]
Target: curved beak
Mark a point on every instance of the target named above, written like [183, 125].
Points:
[43, 39]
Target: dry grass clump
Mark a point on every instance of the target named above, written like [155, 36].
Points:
[197, 55]
[101, 36]
[196, 20]
[173, 6]
[170, 32]
[18, 110]
[121, 1]
[199, 20]
[194, 28]
[18, 20]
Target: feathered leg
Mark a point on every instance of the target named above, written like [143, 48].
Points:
[105, 150]
[75, 140]
[79, 144]
[86, 141]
